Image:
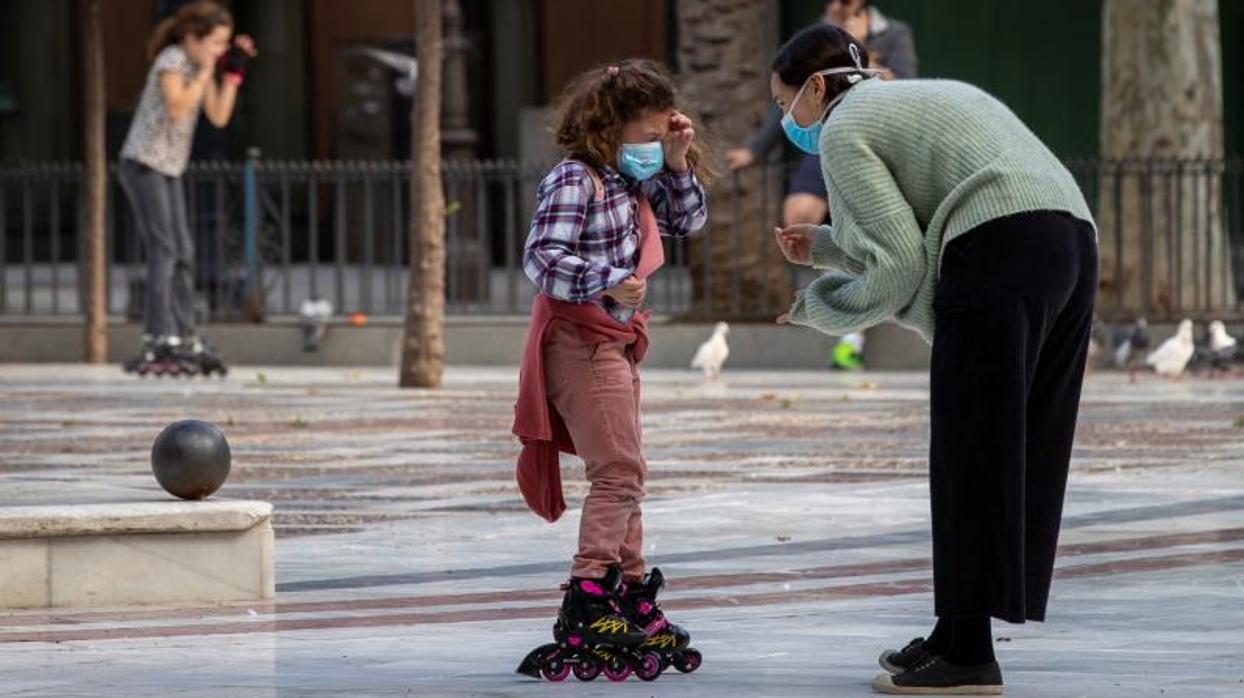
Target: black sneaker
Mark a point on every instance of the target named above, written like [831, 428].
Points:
[898, 661]
[937, 677]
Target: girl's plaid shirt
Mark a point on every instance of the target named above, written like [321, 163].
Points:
[580, 246]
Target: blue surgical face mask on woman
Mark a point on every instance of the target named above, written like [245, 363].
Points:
[808, 138]
[641, 160]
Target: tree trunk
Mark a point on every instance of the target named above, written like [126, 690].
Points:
[1163, 247]
[94, 293]
[423, 346]
[724, 49]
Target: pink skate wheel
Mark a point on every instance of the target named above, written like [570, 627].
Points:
[651, 667]
[688, 661]
[554, 669]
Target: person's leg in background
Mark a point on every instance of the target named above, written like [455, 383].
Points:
[181, 304]
[148, 193]
[807, 200]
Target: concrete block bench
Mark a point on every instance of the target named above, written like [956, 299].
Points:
[127, 554]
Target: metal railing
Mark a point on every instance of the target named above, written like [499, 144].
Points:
[1171, 237]
[270, 234]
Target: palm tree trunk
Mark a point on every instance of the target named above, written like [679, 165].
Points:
[423, 346]
[94, 293]
[724, 50]
[1163, 246]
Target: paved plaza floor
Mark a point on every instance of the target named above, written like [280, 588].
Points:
[789, 511]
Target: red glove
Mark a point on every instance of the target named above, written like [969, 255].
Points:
[232, 65]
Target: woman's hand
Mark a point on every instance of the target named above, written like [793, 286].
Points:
[678, 141]
[796, 242]
[629, 293]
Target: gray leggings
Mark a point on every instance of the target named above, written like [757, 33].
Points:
[159, 204]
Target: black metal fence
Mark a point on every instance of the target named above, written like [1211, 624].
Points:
[271, 234]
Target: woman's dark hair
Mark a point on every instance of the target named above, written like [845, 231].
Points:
[815, 49]
[197, 19]
[596, 104]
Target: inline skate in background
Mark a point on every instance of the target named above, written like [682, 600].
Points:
[160, 357]
[205, 357]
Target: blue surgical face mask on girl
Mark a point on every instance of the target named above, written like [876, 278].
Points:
[641, 160]
[808, 138]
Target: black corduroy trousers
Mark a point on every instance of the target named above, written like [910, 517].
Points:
[1013, 315]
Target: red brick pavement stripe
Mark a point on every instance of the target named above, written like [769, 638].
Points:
[709, 581]
[872, 589]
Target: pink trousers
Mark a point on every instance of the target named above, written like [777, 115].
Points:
[595, 389]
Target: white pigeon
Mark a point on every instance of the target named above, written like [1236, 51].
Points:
[314, 314]
[712, 354]
[1173, 356]
[1219, 341]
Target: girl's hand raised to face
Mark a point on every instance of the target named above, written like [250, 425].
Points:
[677, 141]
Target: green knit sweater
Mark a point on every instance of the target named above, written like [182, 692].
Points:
[910, 165]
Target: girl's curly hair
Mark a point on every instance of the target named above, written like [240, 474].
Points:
[596, 104]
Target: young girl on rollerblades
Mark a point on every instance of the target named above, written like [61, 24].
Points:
[197, 65]
[632, 172]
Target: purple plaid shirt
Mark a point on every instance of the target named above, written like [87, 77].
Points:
[578, 247]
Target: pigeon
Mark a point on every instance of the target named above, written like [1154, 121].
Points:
[1220, 347]
[1173, 356]
[712, 354]
[1101, 345]
[1221, 343]
[313, 315]
[1130, 347]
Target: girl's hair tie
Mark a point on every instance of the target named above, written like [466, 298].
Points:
[611, 72]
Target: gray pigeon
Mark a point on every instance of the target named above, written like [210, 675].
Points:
[1129, 351]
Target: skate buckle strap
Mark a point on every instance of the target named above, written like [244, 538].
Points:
[591, 587]
[656, 626]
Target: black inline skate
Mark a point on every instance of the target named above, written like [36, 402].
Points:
[161, 358]
[669, 641]
[206, 358]
[592, 637]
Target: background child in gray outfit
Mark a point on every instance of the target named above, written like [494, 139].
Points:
[197, 65]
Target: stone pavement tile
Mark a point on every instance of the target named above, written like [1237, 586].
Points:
[789, 511]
